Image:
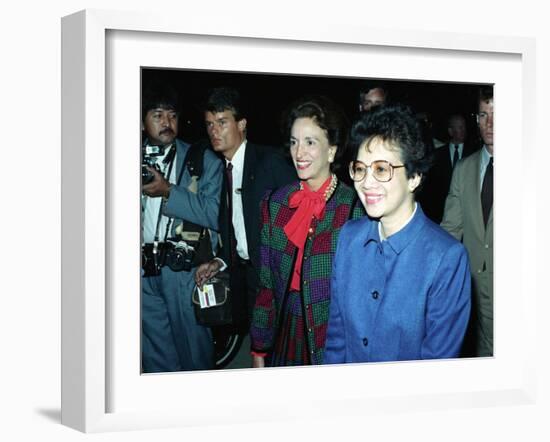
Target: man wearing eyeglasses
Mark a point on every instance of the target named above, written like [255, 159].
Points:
[468, 217]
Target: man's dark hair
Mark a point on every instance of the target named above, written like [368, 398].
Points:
[373, 84]
[158, 95]
[223, 99]
[327, 115]
[485, 93]
[397, 127]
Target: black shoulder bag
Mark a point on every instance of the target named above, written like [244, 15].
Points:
[212, 304]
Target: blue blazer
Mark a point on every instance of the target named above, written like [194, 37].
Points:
[199, 202]
[404, 298]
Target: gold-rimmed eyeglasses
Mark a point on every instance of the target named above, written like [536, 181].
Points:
[381, 170]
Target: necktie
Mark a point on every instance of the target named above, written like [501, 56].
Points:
[229, 173]
[487, 191]
[455, 156]
[232, 238]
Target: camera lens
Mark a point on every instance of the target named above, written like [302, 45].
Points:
[179, 260]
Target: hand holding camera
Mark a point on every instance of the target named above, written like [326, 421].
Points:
[158, 186]
[153, 183]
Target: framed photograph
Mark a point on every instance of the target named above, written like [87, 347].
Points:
[103, 388]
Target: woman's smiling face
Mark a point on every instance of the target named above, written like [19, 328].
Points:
[311, 152]
[392, 202]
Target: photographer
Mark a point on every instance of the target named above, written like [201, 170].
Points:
[172, 200]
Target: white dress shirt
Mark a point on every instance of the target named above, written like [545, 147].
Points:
[452, 150]
[238, 216]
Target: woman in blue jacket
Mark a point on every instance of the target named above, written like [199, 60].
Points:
[400, 284]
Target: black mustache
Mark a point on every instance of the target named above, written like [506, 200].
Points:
[167, 131]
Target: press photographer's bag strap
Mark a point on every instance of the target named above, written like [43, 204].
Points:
[194, 163]
[194, 159]
[169, 159]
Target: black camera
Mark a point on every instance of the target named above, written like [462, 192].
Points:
[149, 156]
[153, 258]
[180, 257]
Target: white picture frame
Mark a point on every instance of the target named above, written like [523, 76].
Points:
[102, 389]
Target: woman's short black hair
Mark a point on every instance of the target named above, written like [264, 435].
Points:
[328, 115]
[397, 127]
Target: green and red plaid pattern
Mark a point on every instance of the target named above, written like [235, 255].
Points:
[301, 339]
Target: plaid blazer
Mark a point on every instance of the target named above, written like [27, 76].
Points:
[277, 257]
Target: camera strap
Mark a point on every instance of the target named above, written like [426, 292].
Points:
[196, 235]
[169, 159]
[193, 162]
[193, 234]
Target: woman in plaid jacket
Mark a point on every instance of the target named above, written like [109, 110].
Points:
[300, 227]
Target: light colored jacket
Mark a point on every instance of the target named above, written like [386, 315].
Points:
[463, 219]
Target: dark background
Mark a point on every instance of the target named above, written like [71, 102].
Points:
[267, 96]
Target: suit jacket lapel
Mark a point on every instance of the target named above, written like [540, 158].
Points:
[448, 162]
[224, 202]
[475, 201]
[250, 162]
[484, 228]
[248, 167]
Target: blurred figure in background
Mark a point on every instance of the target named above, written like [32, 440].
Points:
[446, 157]
[372, 94]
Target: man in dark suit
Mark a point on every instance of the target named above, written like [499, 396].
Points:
[438, 181]
[250, 171]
